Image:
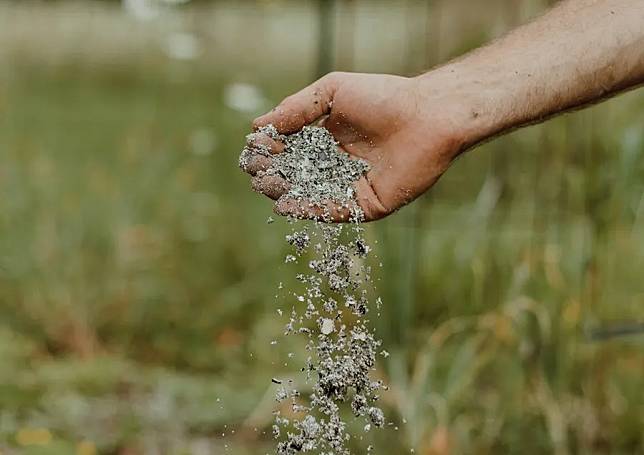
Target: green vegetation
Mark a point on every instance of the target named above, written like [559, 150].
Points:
[137, 274]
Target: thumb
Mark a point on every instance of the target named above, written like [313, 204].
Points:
[302, 108]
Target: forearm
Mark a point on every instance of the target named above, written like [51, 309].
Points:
[580, 52]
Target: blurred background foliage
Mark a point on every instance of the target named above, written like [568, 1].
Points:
[138, 275]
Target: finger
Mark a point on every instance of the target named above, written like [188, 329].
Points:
[302, 108]
[253, 162]
[263, 142]
[369, 201]
[327, 211]
[271, 185]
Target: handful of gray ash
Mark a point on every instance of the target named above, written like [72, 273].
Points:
[315, 167]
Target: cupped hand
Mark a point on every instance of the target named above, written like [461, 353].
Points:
[408, 132]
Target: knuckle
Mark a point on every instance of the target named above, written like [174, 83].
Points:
[331, 80]
[285, 102]
[256, 184]
[259, 163]
[335, 76]
[259, 122]
[245, 159]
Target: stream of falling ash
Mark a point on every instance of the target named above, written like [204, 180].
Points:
[331, 314]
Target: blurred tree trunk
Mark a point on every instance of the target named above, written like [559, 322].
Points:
[433, 28]
[346, 36]
[326, 36]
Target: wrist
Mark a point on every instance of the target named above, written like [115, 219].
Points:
[470, 100]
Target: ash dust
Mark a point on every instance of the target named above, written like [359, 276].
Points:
[330, 313]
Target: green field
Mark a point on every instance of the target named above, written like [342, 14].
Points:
[138, 275]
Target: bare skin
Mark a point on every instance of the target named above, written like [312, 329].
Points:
[411, 129]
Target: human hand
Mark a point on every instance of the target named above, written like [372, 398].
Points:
[406, 130]
[410, 130]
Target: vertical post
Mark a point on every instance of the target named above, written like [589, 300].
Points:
[326, 36]
[433, 27]
[346, 35]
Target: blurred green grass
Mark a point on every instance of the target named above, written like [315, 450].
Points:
[137, 274]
